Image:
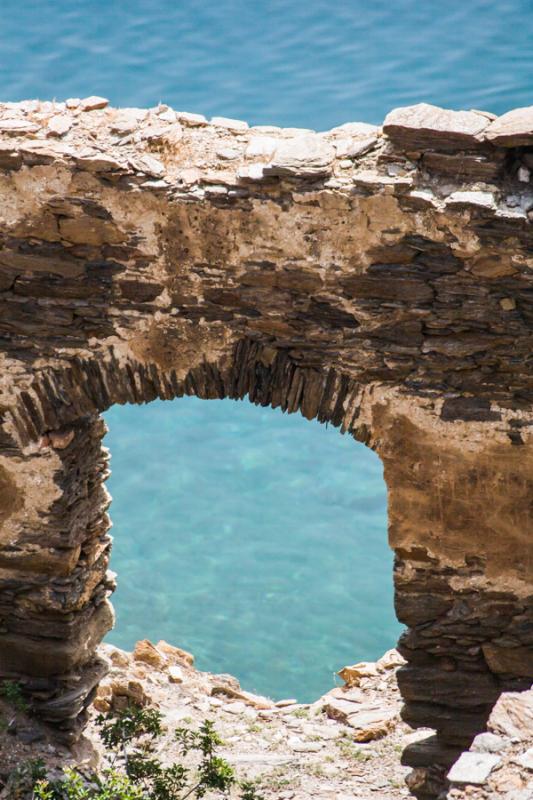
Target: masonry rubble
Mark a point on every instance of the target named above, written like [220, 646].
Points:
[308, 750]
[374, 278]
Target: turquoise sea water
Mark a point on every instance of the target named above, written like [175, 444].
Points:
[258, 540]
[253, 538]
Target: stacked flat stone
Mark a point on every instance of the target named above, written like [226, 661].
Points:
[375, 278]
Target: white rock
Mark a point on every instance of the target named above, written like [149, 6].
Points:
[473, 768]
[372, 723]
[97, 162]
[252, 173]
[524, 175]
[150, 165]
[290, 133]
[28, 106]
[303, 156]
[284, 703]
[296, 744]
[230, 124]
[47, 107]
[59, 125]
[417, 736]
[216, 189]
[266, 128]
[261, 146]
[352, 147]
[234, 708]
[360, 129]
[489, 743]
[168, 115]
[215, 702]
[155, 184]
[175, 716]
[175, 674]
[519, 794]
[481, 199]
[193, 120]
[93, 103]
[227, 153]
[127, 120]
[512, 715]
[390, 660]
[18, 125]
[73, 102]
[526, 759]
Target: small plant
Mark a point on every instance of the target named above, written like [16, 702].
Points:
[136, 774]
[24, 777]
[248, 791]
[253, 727]
[301, 713]
[349, 750]
[12, 694]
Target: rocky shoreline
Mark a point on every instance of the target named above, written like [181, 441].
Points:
[344, 746]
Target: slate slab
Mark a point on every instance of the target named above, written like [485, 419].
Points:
[514, 129]
[427, 127]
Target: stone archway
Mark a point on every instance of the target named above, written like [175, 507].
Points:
[376, 279]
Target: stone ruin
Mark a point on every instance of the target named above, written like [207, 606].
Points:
[378, 279]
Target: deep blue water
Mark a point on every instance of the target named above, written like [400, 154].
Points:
[312, 63]
[255, 539]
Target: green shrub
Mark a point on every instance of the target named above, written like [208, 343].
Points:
[23, 778]
[136, 774]
[12, 694]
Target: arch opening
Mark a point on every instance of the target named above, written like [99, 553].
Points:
[447, 685]
[254, 540]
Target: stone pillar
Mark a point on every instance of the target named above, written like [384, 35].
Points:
[461, 525]
[54, 551]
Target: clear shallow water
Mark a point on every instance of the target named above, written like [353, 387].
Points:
[253, 538]
[257, 540]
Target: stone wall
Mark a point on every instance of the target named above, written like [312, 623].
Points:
[380, 279]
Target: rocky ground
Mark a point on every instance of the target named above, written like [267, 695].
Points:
[345, 746]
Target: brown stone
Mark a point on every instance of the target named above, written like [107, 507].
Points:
[60, 439]
[89, 230]
[509, 660]
[370, 724]
[175, 654]
[148, 653]
[254, 700]
[465, 165]
[11, 497]
[352, 675]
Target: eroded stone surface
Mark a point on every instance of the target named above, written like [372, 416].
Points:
[514, 129]
[367, 283]
[425, 125]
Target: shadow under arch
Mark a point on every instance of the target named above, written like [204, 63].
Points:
[447, 685]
